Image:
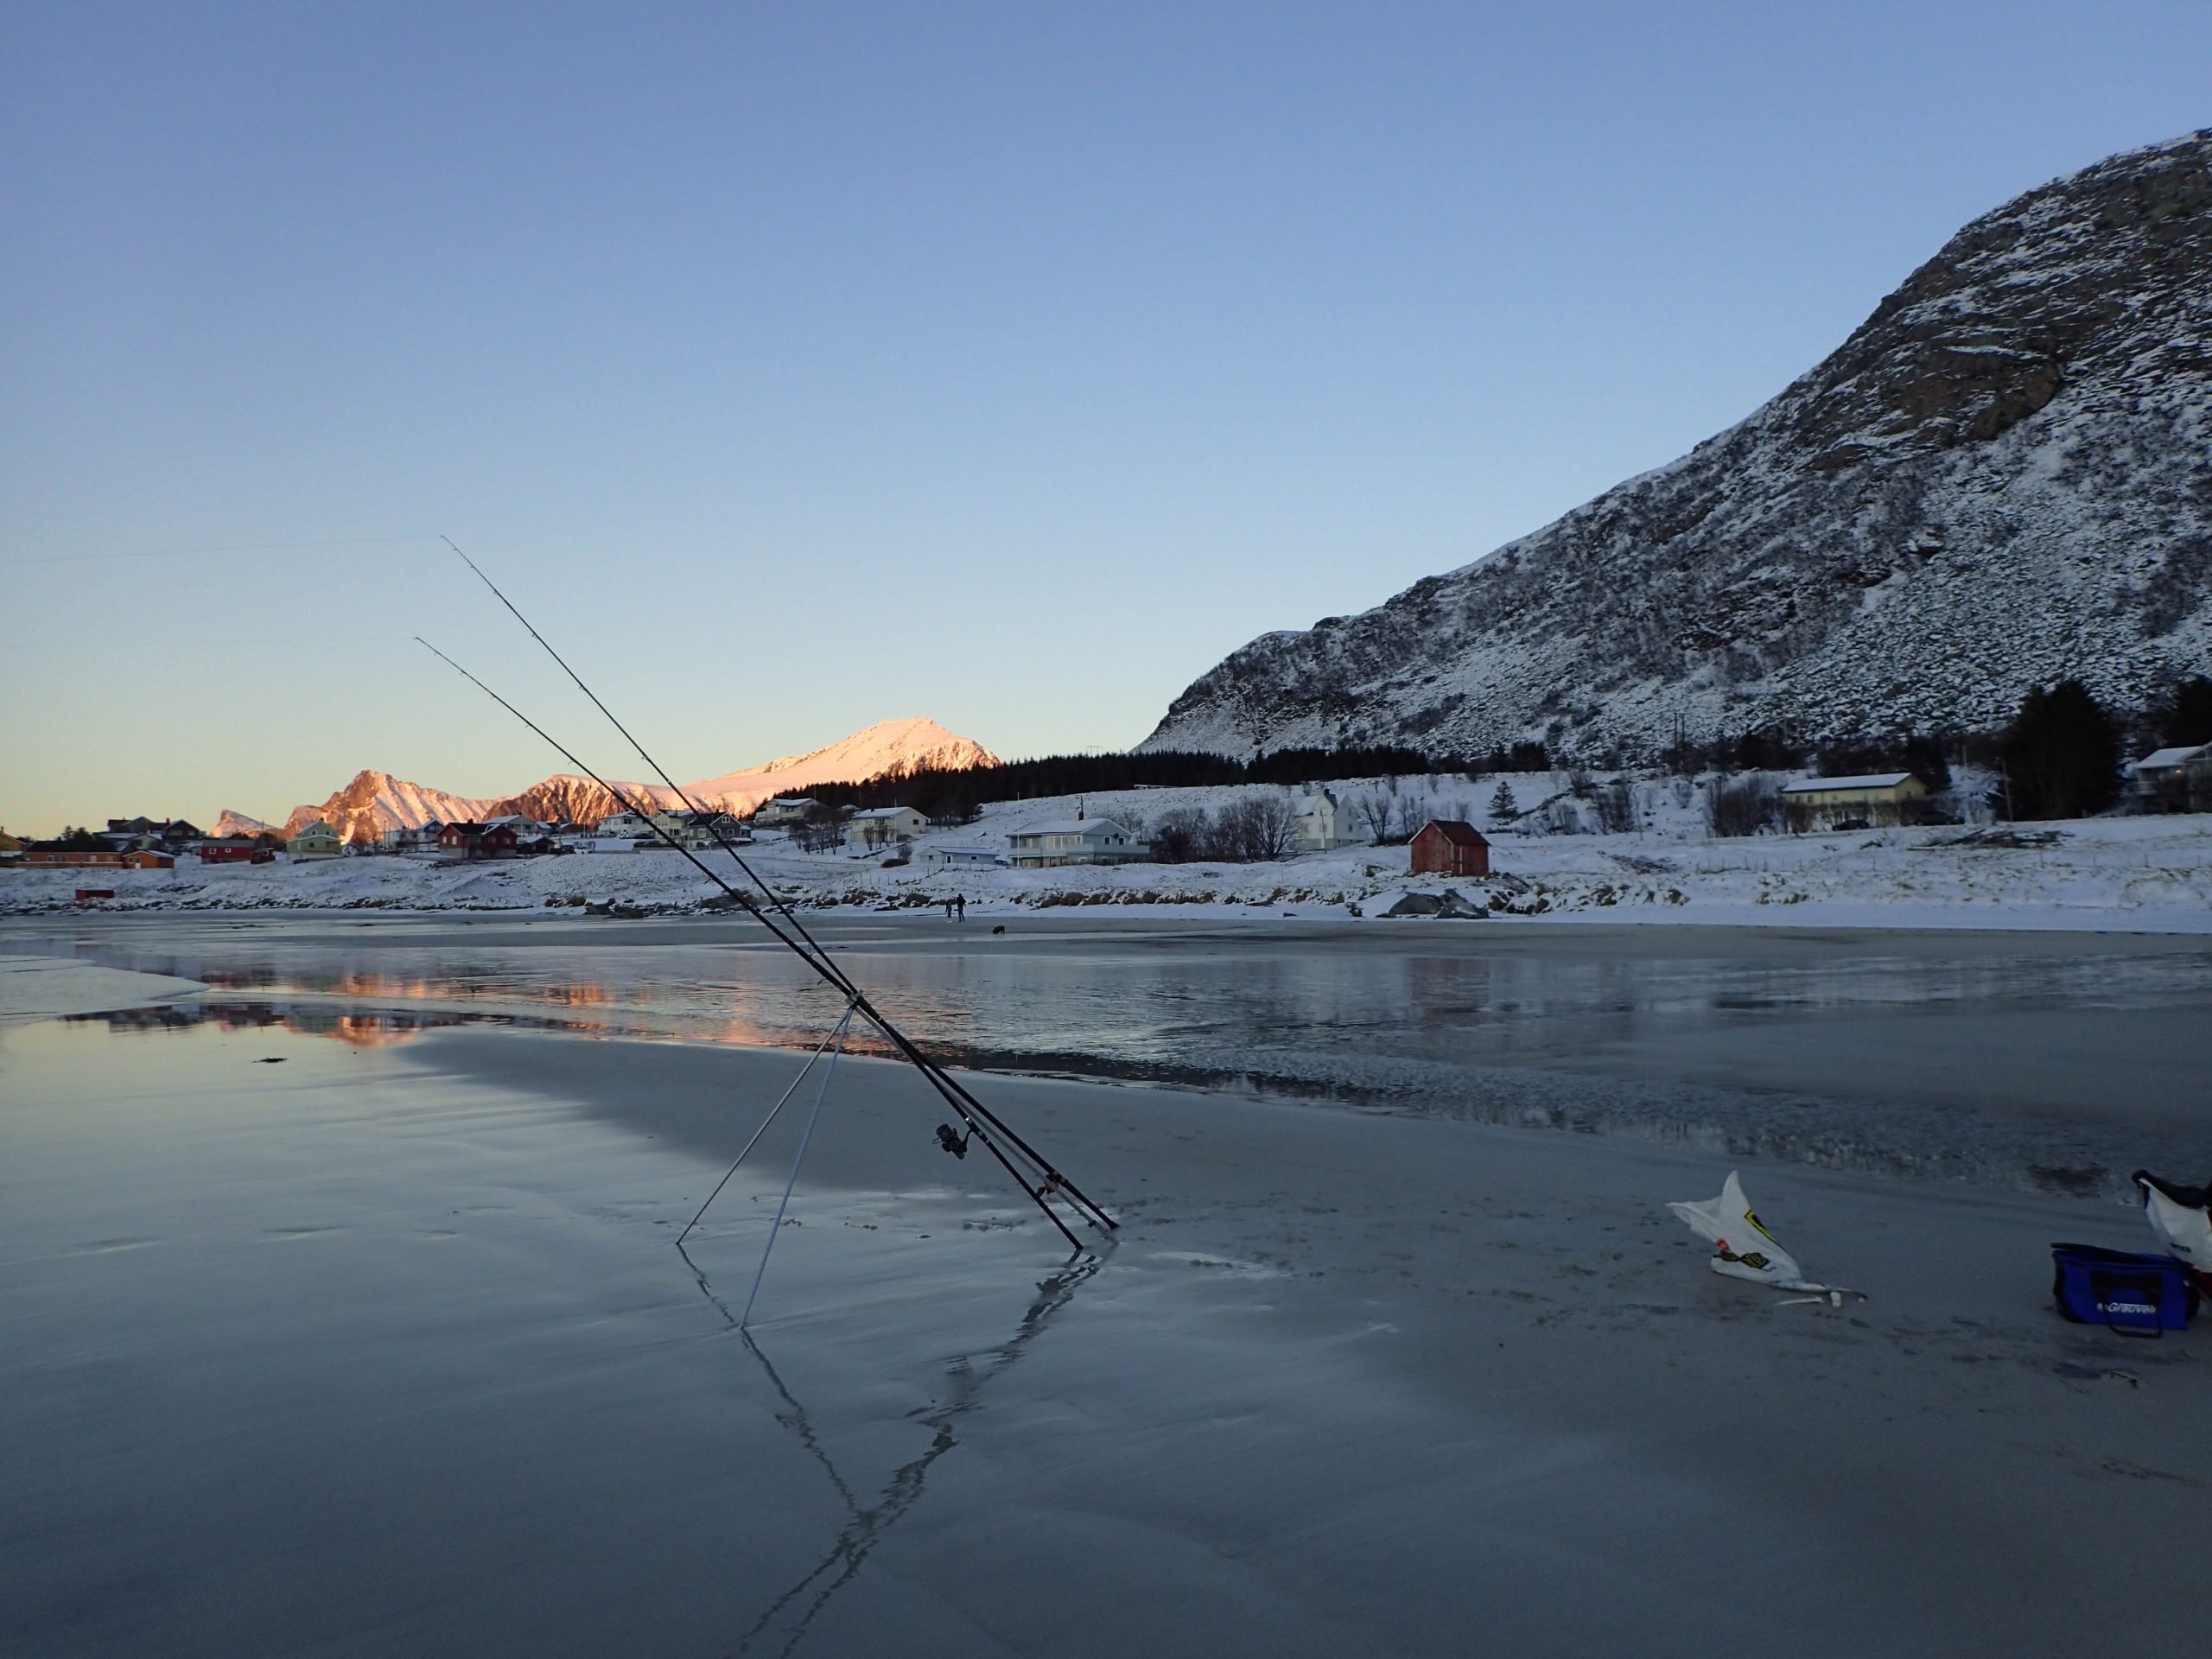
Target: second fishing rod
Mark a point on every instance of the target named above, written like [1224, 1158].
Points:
[964, 1105]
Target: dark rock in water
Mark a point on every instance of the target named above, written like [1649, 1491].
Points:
[1998, 481]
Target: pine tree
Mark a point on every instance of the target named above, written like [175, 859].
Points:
[2187, 717]
[1502, 804]
[2061, 755]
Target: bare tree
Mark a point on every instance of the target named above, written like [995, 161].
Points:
[1742, 806]
[1274, 825]
[1376, 810]
[1181, 835]
[1616, 808]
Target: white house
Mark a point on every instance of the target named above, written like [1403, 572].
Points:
[2176, 779]
[1074, 841]
[632, 825]
[964, 858]
[883, 826]
[785, 809]
[1324, 823]
[1872, 800]
[402, 839]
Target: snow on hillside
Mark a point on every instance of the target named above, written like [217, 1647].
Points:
[1996, 482]
[2149, 874]
[236, 824]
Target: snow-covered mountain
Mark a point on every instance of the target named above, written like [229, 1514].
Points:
[2000, 480]
[890, 748]
[376, 801]
[238, 824]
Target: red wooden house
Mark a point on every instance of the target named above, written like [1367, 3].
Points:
[1450, 847]
[478, 839]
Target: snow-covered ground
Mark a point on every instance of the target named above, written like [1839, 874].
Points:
[2136, 873]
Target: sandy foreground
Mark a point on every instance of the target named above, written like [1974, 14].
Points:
[383, 1350]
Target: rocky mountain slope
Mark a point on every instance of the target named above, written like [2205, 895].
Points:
[2000, 479]
[375, 801]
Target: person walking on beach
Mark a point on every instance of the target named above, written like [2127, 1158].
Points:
[960, 904]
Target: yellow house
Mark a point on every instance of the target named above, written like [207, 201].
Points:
[1854, 802]
[318, 840]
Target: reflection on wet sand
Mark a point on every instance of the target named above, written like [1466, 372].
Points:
[865, 1526]
[376, 1030]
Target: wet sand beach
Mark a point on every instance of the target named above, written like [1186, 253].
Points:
[332, 1334]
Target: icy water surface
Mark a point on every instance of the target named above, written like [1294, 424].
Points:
[2059, 1060]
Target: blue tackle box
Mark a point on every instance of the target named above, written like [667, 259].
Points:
[2138, 1295]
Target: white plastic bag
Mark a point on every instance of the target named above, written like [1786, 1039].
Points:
[1742, 1246]
[2183, 1229]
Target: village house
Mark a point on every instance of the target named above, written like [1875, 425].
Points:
[2176, 780]
[474, 840]
[1324, 823]
[784, 809]
[1861, 803]
[964, 858]
[171, 835]
[700, 832]
[631, 826]
[1450, 847]
[80, 851]
[403, 838]
[234, 850]
[318, 840]
[883, 826]
[1074, 841]
[148, 858]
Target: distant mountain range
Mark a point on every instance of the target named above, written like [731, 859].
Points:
[375, 802]
[1998, 481]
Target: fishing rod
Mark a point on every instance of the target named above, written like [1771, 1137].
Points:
[956, 1094]
[952, 1092]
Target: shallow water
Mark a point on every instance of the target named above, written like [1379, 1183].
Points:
[2052, 1060]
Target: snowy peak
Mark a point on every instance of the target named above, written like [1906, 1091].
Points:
[890, 748]
[236, 824]
[1996, 482]
[375, 802]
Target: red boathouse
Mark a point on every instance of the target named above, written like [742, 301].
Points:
[1450, 847]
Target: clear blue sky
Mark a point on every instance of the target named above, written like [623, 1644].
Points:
[807, 365]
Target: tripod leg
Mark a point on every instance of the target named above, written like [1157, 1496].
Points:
[760, 1273]
[757, 1134]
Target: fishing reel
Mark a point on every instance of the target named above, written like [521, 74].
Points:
[955, 1144]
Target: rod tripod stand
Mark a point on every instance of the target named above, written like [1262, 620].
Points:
[833, 1044]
